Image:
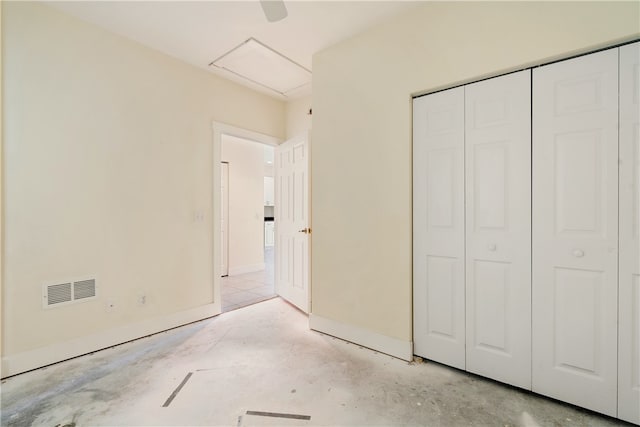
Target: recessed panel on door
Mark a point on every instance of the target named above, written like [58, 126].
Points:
[284, 217]
[629, 325]
[438, 215]
[575, 231]
[498, 228]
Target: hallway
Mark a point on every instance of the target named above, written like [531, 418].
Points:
[246, 289]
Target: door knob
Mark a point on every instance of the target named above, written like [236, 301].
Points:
[578, 253]
[305, 231]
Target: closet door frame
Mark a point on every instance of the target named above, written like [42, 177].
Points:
[622, 377]
[629, 258]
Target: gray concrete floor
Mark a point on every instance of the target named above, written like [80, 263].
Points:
[264, 358]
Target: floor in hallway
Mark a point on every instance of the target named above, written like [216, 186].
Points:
[246, 289]
[264, 358]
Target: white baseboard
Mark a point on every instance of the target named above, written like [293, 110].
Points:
[33, 359]
[244, 269]
[378, 342]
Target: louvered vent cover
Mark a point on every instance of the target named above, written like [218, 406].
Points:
[84, 289]
[57, 294]
[62, 294]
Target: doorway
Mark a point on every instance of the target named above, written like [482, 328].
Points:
[292, 236]
[247, 222]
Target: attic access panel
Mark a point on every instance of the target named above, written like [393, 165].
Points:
[260, 64]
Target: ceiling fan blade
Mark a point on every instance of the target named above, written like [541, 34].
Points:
[274, 10]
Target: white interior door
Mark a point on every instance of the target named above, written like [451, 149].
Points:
[575, 230]
[292, 232]
[224, 217]
[629, 321]
[498, 228]
[438, 227]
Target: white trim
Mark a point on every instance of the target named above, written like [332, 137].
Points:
[33, 359]
[243, 269]
[223, 128]
[373, 340]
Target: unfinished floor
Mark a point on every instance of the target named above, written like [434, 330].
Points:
[264, 358]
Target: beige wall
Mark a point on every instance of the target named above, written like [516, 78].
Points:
[361, 151]
[246, 203]
[297, 116]
[107, 174]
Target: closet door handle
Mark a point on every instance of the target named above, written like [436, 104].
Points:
[578, 253]
[492, 247]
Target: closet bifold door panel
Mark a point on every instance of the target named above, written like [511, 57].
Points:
[498, 228]
[438, 227]
[575, 231]
[629, 279]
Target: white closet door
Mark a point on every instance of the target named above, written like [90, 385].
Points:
[438, 216]
[629, 324]
[575, 231]
[498, 217]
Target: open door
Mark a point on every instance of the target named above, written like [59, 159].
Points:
[292, 221]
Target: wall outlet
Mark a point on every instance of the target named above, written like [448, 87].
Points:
[142, 300]
[198, 216]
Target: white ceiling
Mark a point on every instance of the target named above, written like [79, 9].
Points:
[200, 31]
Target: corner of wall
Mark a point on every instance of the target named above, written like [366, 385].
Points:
[298, 116]
[367, 338]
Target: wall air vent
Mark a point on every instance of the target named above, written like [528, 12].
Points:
[60, 294]
[84, 289]
[57, 294]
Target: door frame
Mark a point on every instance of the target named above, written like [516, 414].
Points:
[220, 129]
[225, 208]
